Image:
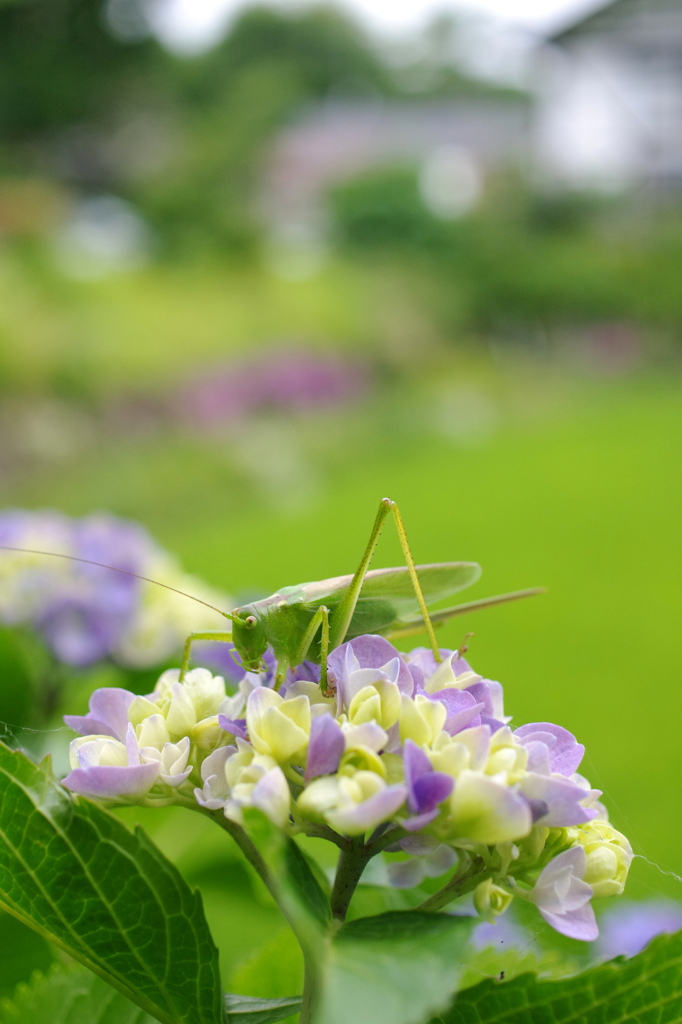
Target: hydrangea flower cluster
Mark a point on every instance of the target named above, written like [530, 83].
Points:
[86, 614]
[400, 748]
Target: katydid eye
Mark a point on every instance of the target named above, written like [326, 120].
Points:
[250, 621]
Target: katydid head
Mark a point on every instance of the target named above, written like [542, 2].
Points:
[248, 636]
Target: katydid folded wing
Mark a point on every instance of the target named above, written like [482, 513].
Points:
[387, 595]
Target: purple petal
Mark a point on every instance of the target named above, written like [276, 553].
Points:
[325, 748]
[538, 757]
[419, 821]
[425, 788]
[235, 726]
[417, 676]
[432, 789]
[307, 671]
[493, 723]
[371, 652]
[565, 753]
[108, 714]
[561, 894]
[371, 812]
[489, 694]
[418, 845]
[560, 798]
[109, 782]
[132, 746]
[576, 924]
[415, 764]
[538, 808]
[424, 659]
[405, 874]
[462, 707]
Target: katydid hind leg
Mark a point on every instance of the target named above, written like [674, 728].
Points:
[400, 527]
[216, 635]
[414, 625]
[344, 613]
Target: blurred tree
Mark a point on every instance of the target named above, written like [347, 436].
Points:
[319, 48]
[89, 98]
[271, 65]
[68, 71]
[383, 209]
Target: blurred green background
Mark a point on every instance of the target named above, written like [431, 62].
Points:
[200, 332]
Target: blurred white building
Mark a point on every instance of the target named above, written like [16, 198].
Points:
[454, 144]
[609, 98]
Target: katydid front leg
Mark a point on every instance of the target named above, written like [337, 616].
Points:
[212, 635]
[344, 613]
[320, 618]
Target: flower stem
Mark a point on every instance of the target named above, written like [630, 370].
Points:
[310, 990]
[352, 862]
[467, 876]
[310, 954]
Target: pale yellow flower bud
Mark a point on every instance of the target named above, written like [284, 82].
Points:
[609, 856]
[491, 900]
[421, 720]
[379, 702]
[280, 728]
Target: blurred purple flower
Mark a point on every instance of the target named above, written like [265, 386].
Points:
[81, 610]
[628, 927]
[290, 380]
[503, 932]
[86, 613]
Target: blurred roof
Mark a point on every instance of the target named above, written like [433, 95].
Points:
[612, 14]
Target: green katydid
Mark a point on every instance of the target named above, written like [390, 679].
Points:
[390, 602]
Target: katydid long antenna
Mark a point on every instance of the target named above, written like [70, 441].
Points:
[114, 568]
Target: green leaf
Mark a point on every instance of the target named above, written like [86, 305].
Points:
[250, 1010]
[106, 895]
[396, 968]
[646, 989]
[71, 996]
